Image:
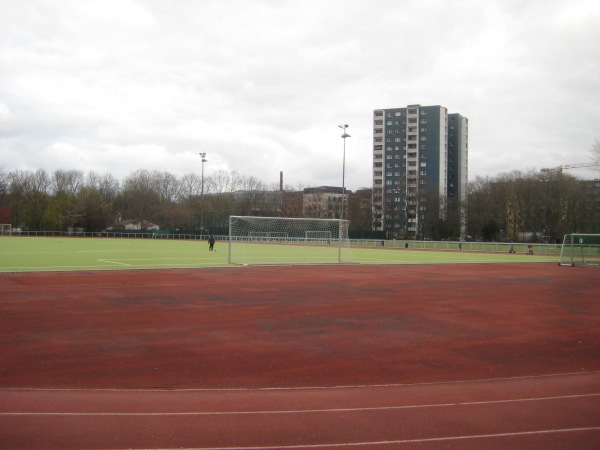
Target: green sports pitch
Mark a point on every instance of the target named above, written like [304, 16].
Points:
[31, 254]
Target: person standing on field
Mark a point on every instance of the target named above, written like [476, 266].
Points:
[211, 242]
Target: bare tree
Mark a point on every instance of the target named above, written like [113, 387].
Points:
[3, 185]
[107, 185]
[37, 198]
[191, 188]
[67, 181]
[138, 198]
[360, 209]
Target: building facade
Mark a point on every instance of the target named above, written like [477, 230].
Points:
[324, 202]
[420, 170]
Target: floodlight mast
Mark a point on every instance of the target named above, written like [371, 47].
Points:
[203, 156]
[344, 136]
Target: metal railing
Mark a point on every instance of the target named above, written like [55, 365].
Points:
[492, 247]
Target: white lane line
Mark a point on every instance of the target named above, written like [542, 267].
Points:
[411, 441]
[304, 388]
[298, 411]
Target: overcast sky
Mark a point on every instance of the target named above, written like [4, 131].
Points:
[261, 86]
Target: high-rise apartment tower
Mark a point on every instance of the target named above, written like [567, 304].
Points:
[420, 171]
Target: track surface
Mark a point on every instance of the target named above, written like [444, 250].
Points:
[462, 356]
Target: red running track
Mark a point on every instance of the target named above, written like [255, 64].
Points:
[502, 356]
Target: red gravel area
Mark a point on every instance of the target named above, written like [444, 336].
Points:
[289, 327]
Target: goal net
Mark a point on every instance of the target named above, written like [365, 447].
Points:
[285, 240]
[580, 250]
[5, 229]
[318, 237]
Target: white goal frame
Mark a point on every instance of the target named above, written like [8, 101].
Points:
[317, 236]
[287, 240]
[580, 250]
[5, 229]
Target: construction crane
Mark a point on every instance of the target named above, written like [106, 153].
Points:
[559, 169]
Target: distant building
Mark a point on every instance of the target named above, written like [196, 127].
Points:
[420, 166]
[134, 224]
[323, 202]
[5, 215]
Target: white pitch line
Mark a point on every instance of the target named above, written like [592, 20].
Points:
[298, 411]
[114, 262]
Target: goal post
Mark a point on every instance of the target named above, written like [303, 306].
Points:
[287, 240]
[5, 229]
[580, 250]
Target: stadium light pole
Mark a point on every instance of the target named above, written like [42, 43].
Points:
[344, 136]
[203, 156]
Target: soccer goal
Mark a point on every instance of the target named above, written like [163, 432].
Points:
[317, 237]
[285, 240]
[5, 229]
[580, 250]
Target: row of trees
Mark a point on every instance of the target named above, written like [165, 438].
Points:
[513, 206]
[537, 206]
[41, 200]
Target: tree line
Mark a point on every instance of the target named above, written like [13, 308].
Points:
[532, 206]
[39, 200]
[537, 206]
